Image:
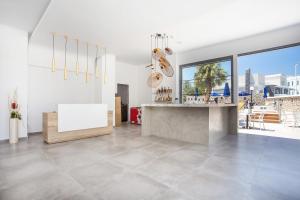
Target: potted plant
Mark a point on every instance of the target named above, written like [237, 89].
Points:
[15, 118]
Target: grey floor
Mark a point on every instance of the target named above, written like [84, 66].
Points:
[125, 165]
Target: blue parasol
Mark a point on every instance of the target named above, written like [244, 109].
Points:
[265, 92]
[214, 94]
[243, 94]
[226, 90]
[196, 92]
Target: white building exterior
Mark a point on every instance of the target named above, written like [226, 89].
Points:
[276, 79]
[256, 80]
[280, 84]
[293, 82]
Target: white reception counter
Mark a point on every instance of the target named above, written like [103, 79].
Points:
[76, 121]
[81, 116]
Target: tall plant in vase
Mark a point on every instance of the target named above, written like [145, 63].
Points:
[15, 119]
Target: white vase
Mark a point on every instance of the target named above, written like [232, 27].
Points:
[13, 130]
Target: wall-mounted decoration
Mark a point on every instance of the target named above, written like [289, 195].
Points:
[159, 55]
[105, 68]
[53, 53]
[77, 62]
[67, 52]
[97, 71]
[65, 67]
[87, 63]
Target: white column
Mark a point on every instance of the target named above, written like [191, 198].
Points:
[13, 74]
[108, 85]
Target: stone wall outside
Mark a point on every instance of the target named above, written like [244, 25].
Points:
[287, 103]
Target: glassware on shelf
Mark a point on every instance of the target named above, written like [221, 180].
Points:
[163, 95]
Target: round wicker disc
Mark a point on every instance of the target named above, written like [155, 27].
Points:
[157, 53]
[168, 51]
[166, 67]
[154, 79]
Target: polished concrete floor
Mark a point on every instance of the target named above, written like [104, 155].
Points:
[126, 166]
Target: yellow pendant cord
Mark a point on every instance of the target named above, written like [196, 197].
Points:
[87, 63]
[65, 67]
[97, 73]
[105, 71]
[77, 63]
[53, 65]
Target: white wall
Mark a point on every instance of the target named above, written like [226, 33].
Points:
[128, 74]
[288, 35]
[47, 89]
[144, 92]
[136, 77]
[13, 74]
[285, 36]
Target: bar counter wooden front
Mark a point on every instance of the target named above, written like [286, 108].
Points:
[51, 134]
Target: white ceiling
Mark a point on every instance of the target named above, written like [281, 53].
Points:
[22, 14]
[124, 26]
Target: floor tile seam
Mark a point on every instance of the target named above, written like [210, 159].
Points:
[155, 179]
[120, 165]
[178, 192]
[70, 154]
[228, 178]
[137, 166]
[158, 156]
[247, 186]
[185, 174]
[177, 149]
[62, 169]
[31, 179]
[16, 153]
[68, 173]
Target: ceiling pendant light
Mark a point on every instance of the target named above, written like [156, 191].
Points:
[151, 60]
[65, 67]
[159, 54]
[97, 73]
[77, 62]
[53, 65]
[87, 63]
[105, 68]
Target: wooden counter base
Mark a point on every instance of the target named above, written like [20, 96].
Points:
[51, 135]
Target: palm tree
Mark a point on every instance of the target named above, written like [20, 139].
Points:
[209, 76]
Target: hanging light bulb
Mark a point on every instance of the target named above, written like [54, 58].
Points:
[87, 63]
[65, 67]
[53, 65]
[105, 71]
[77, 62]
[97, 73]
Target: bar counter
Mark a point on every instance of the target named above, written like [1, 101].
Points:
[197, 123]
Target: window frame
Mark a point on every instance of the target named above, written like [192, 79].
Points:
[219, 59]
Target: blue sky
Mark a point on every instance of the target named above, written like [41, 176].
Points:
[271, 62]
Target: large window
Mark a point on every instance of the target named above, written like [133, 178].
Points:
[209, 80]
[268, 90]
